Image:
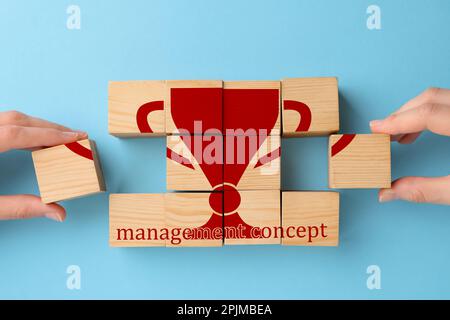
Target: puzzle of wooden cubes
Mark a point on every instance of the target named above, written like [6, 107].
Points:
[223, 144]
[223, 155]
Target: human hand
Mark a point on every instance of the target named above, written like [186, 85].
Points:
[428, 111]
[19, 131]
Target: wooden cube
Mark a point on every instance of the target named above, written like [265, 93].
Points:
[194, 219]
[359, 161]
[194, 163]
[310, 106]
[252, 217]
[251, 107]
[68, 171]
[252, 162]
[310, 218]
[194, 107]
[136, 108]
[136, 220]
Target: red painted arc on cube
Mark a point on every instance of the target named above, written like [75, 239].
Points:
[304, 111]
[144, 111]
[80, 150]
[341, 143]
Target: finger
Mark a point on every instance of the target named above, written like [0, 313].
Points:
[409, 138]
[405, 138]
[434, 117]
[15, 118]
[397, 137]
[29, 206]
[431, 95]
[418, 189]
[15, 137]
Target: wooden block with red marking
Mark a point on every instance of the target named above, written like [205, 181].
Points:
[194, 219]
[194, 107]
[310, 218]
[194, 163]
[137, 220]
[359, 161]
[251, 217]
[310, 106]
[251, 107]
[68, 171]
[252, 162]
[136, 108]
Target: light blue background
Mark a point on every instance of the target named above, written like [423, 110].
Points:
[60, 74]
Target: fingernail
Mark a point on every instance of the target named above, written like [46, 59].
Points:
[70, 134]
[54, 216]
[375, 123]
[81, 133]
[387, 195]
[75, 134]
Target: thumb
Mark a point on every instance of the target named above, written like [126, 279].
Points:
[29, 206]
[418, 189]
